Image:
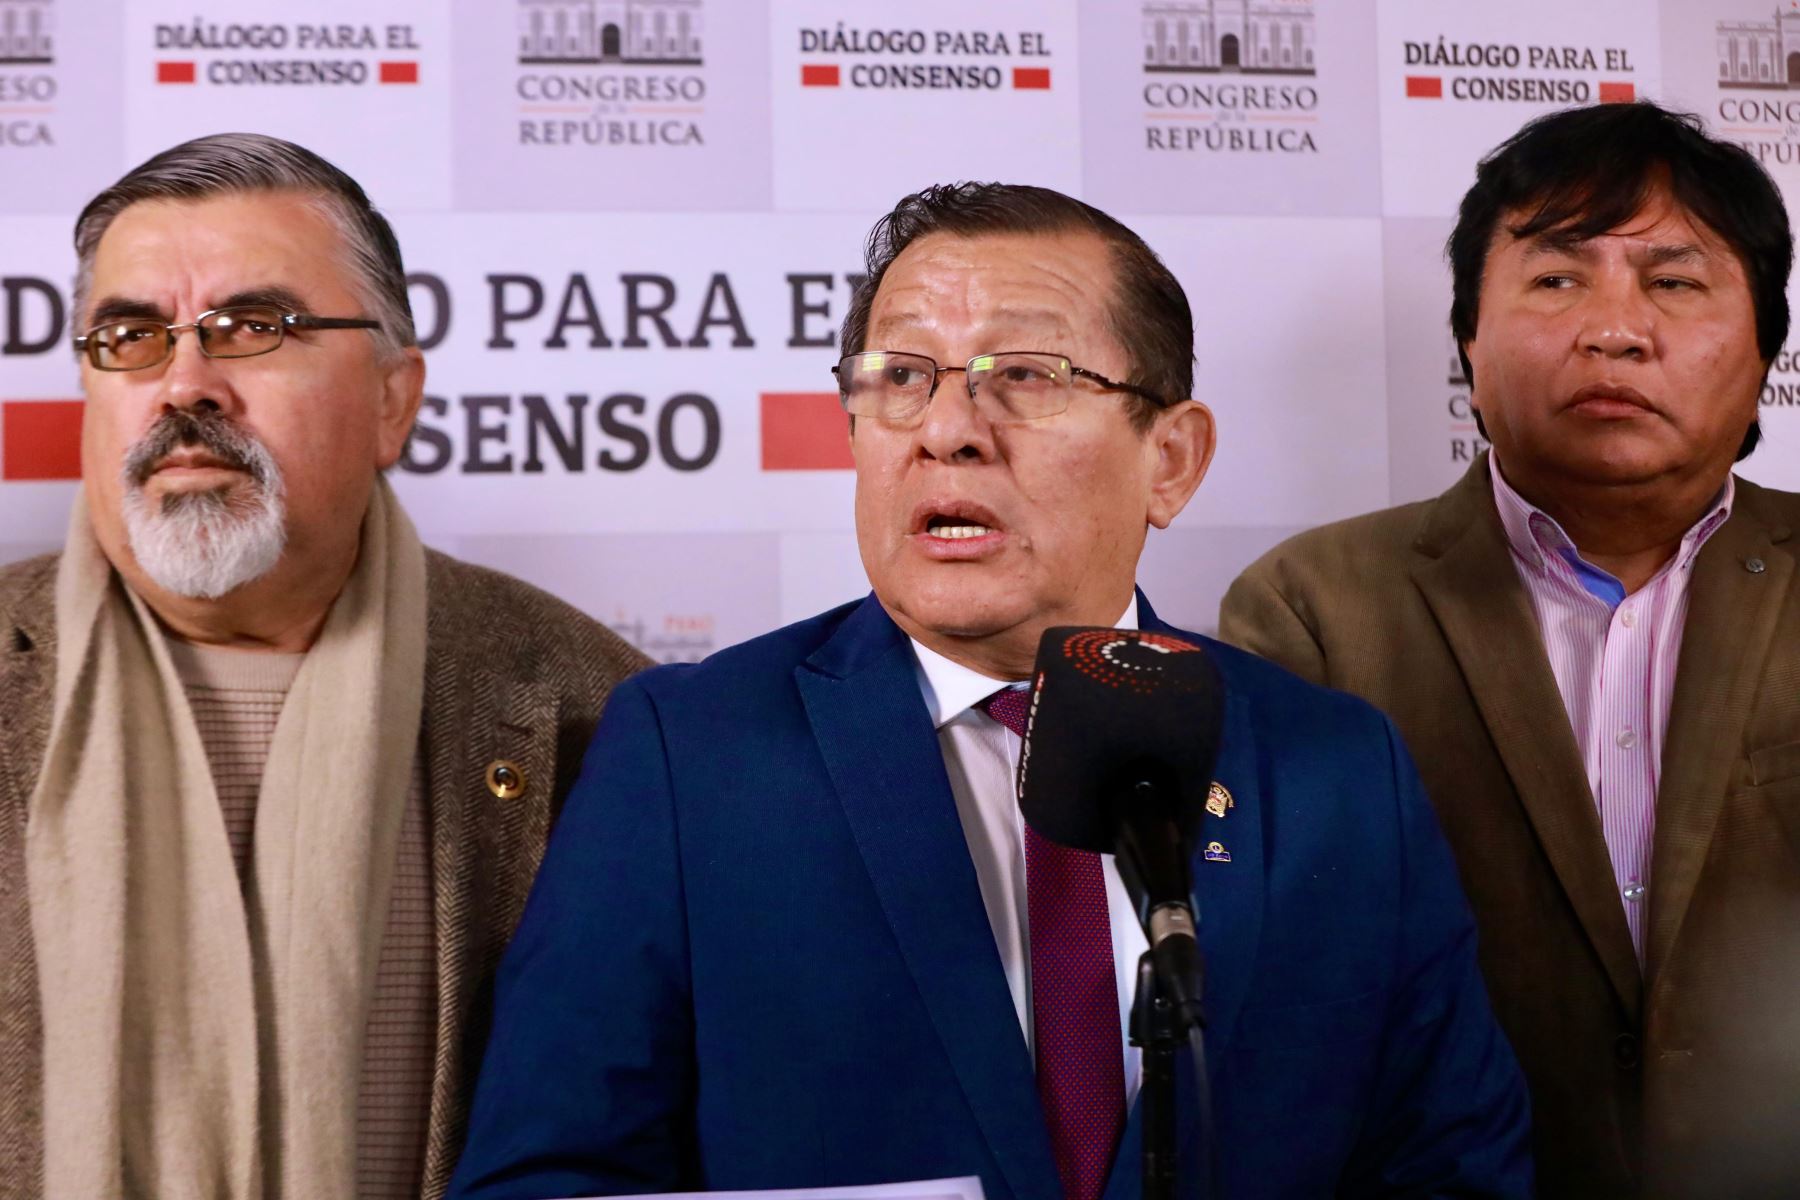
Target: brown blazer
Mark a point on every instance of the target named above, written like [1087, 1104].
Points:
[510, 673]
[1681, 1081]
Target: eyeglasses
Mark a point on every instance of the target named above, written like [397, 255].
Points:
[1015, 385]
[241, 331]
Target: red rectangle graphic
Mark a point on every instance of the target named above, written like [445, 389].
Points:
[174, 72]
[1031, 77]
[1617, 93]
[804, 431]
[1424, 87]
[40, 439]
[399, 72]
[818, 75]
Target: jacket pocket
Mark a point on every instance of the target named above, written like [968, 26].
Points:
[1775, 763]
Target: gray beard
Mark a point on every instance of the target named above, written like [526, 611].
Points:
[202, 545]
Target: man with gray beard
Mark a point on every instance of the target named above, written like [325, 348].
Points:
[274, 779]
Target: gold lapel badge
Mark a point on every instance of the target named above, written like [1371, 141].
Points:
[1216, 852]
[1218, 799]
[505, 779]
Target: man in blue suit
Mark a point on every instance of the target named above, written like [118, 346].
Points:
[791, 930]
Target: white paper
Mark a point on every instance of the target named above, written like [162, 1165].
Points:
[966, 1188]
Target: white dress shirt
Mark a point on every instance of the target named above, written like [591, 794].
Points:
[981, 757]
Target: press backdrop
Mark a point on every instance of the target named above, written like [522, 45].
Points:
[632, 227]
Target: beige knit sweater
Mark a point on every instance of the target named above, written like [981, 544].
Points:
[236, 698]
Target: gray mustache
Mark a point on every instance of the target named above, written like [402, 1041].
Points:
[209, 430]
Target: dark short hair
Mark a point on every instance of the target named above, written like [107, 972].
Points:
[230, 163]
[1584, 171]
[1148, 310]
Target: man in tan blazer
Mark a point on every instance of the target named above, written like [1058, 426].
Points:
[1591, 644]
[274, 778]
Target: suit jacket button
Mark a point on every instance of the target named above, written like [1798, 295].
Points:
[1625, 1051]
[504, 779]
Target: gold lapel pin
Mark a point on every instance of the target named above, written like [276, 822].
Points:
[1216, 852]
[505, 780]
[1218, 799]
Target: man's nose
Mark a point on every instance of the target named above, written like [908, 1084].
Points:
[952, 428]
[1618, 320]
[190, 379]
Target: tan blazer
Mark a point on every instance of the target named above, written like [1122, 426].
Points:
[510, 673]
[1681, 1081]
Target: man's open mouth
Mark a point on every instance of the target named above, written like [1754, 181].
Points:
[954, 528]
[954, 520]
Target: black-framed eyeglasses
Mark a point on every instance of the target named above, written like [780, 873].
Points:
[241, 331]
[1013, 385]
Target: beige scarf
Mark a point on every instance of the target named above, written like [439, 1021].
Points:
[201, 1038]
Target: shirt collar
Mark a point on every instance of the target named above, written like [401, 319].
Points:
[951, 689]
[1534, 534]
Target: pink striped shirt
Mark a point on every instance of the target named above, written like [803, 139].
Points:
[1614, 659]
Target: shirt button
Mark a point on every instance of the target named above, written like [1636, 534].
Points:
[1626, 739]
[1625, 1051]
[1634, 891]
[1628, 618]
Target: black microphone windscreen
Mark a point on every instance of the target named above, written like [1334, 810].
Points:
[1110, 709]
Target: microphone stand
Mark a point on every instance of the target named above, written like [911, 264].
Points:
[1155, 861]
[1151, 1019]
[1160, 1033]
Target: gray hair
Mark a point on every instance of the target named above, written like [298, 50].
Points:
[227, 163]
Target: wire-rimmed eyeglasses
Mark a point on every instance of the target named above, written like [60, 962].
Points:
[241, 331]
[1013, 385]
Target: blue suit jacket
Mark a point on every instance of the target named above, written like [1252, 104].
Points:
[757, 956]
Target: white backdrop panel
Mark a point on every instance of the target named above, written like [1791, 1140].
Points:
[62, 98]
[1458, 79]
[974, 91]
[1292, 368]
[677, 596]
[376, 71]
[633, 226]
[609, 106]
[1432, 437]
[1169, 126]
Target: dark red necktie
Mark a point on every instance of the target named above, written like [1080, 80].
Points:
[1074, 995]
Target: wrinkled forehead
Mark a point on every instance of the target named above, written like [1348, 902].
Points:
[1049, 285]
[159, 245]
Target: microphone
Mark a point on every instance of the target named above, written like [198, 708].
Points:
[1118, 755]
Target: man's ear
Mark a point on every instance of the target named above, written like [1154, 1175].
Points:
[402, 390]
[1184, 439]
[1468, 370]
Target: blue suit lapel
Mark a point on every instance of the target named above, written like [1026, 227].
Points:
[862, 699]
[1228, 900]
[1228, 896]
